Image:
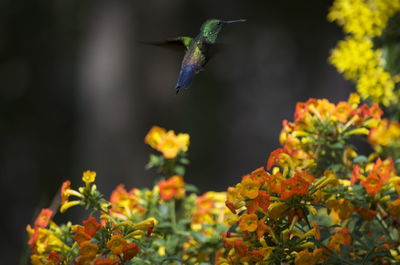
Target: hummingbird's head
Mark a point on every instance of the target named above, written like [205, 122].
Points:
[212, 27]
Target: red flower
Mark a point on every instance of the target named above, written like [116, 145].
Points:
[294, 186]
[80, 235]
[260, 202]
[105, 262]
[91, 226]
[260, 175]
[130, 251]
[274, 158]
[256, 255]
[383, 169]
[54, 257]
[240, 248]
[65, 186]
[172, 188]
[355, 175]
[373, 183]
[43, 218]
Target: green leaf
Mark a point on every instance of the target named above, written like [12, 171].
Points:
[360, 159]
[184, 161]
[180, 170]
[191, 188]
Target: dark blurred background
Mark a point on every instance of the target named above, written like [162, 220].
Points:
[78, 91]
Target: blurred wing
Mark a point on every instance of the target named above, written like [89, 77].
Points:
[179, 43]
[213, 49]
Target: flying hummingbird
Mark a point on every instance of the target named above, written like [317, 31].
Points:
[198, 50]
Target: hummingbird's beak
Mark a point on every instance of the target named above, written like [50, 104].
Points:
[234, 21]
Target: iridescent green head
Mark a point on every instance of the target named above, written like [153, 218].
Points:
[211, 28]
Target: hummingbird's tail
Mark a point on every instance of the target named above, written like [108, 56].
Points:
[186, 76]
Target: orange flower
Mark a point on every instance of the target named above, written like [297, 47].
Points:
[341, 237]
[366, 214]
[105, 262]
[259, 175]
[261, 202]
[248, 222]
[293, 186]
[304, 258]
[83, 260]
[130, 251]
[255, 255]
[342, 207]
[305, 175]
[343, 111]
[375, 111]
[43, 218]
[91, 226]
[275, 182]
[373, 183]
[274, 158]
[64, 196]
[116, 244]
[261, 228]
[301, 110]
[124, 202]
[240, 248]
[88, 249]
[172, 188]
[80, 235]
[356, 174]
[384, 169]
[249, 187]
[204, 204]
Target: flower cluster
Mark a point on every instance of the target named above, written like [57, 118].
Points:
[324, 197]
[319, 137]
[162, 225]
[317, 201]
[358, 56]
[168, 143]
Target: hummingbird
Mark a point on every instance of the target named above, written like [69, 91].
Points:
[199, 50]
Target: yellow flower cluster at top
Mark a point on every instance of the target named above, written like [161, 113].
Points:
[167, 142]
[355, 56]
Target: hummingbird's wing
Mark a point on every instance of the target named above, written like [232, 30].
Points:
[210, 50]
[179, 43]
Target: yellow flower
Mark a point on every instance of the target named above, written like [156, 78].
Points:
[352, 56]
[249, 187]
[248, 222]
[363, 17]
[355, 56]
[167, 142]
[88, 177]
[387, 133]
[88, 249]
[184, 140]
[68, 205]
[378, 84]
[154, 136]
[116, 244]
